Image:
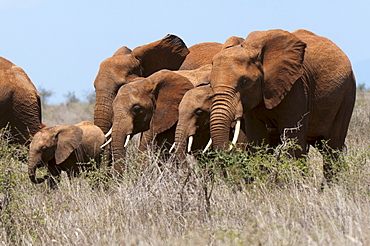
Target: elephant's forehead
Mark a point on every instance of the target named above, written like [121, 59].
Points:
[232, 56]
[132, 89]
[46, 133]
[39, 140]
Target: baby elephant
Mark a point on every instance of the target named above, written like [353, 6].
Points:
[64, 148]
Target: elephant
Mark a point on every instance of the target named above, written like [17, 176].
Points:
[150, 106]
[65, 148]
[20, 106]
[200, 54]
[193, 123]
[298, 84]
[194, 109]
[126, 65]
[193, 130]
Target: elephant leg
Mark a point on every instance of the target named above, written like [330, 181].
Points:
[336, 139]
[255, 131]
[146, 139]
[330, 154]
[73, 172]
[55, 172]
[166, 138]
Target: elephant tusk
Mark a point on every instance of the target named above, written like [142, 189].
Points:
[172, 148]
[208, 145]
[108, 133]
[106, 143]
[190, 143]
[127, 140]
[236, 133]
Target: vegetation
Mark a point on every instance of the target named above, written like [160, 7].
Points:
[222, 199]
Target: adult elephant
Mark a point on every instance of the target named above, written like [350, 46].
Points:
[193, 127]
[126, 65]
[192, 130]
[300, 84]
[20, 106]
[200, 54]
[65, 148]
[150, 105]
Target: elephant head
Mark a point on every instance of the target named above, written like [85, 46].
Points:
[193, 124]
[126, 65]
[259, 71]
[52, 144]
[200, 54]
[147, 105]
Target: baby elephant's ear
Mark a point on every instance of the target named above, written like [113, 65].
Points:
[69, 138]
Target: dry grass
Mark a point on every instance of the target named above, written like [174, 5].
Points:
[162, 205]
[67, 113]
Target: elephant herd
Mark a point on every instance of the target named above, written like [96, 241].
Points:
[270, 86]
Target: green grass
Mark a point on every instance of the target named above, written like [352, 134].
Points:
[156, 203]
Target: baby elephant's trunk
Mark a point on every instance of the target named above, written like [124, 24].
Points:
[32, 173]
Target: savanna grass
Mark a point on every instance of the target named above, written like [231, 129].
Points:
[236, 198]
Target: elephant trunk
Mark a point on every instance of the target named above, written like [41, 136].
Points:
[223, 111]
[180, 141]
[32, 171]
[119, 135]
[118, 149]
[103, 112]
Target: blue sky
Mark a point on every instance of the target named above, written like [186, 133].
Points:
[60, 44]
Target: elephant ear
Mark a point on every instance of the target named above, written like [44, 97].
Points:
[123, 51]
[167, 53]
[282, 55]
[232, 41]
[169, 89]
[69, 138]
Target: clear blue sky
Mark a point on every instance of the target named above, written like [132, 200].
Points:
[61, 43]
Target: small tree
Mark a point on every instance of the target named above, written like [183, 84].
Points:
[45, 95]
[90, 97]
[361, 87]
[71, 97]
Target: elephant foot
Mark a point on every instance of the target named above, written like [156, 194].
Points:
[52, 183]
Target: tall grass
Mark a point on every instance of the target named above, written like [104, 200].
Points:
[156, 203]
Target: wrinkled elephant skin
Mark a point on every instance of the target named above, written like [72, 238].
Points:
[298, 83]
[20, 106]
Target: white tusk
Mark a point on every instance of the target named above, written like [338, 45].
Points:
[106, 143]
[208, 145]
[236, 134]
[127, 140]
[172, 147]
[108, 133]
[190, 143]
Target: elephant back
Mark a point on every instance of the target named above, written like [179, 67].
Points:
[92, 138]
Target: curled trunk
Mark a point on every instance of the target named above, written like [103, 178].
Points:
[32, 173]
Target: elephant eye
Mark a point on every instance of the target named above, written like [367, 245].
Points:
[243, 81]
[198, 112]
[43, 148]
[136, 109]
